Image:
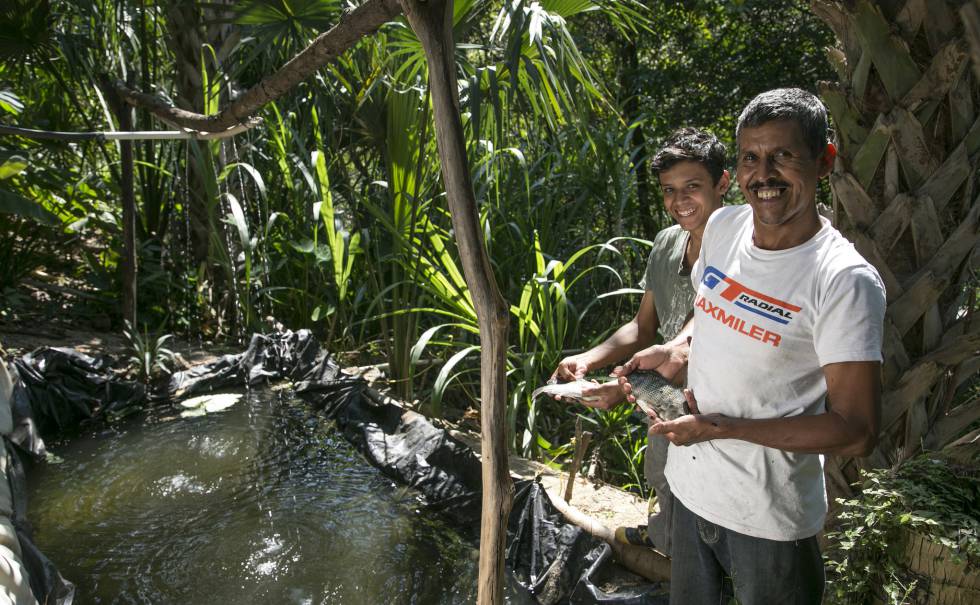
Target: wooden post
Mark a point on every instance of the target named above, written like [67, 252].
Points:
[582, 440]
[432, 22]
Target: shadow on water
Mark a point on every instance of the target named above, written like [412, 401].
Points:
[262, 503]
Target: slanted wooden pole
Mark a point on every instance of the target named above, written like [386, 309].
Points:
[432, 22]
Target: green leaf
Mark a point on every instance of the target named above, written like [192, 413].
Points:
[12, 203]
[12, 167]
[306, 246]
[10, 103]
[237, 218]
[445, 374]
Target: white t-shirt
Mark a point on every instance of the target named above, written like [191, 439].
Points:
[765, 322]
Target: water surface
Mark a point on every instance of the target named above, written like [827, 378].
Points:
[262, 503]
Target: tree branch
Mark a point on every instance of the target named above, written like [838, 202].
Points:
[353, 25]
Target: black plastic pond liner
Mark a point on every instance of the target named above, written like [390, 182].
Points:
[59, 388]
[47, 584]
[554, 560]
[547, 554]
[288, 354]
[559, 562]
[606, 582]
[404, 446]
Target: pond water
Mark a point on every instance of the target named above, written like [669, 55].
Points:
[262, 503]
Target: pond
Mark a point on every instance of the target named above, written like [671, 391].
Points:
[262, 503]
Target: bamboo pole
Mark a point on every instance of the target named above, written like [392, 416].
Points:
[432, 22]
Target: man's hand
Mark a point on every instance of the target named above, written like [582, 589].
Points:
[571, 368]
[670, 361]
[692, 428]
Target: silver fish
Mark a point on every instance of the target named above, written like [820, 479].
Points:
[571, 391]
[654, 394]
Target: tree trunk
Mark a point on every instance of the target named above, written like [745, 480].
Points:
[185, 40]
[904, 185]
[432, 22]
[129, 261]
[127, 193]
[648, 212]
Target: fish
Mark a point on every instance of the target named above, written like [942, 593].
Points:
[654, 394]
[570, 391]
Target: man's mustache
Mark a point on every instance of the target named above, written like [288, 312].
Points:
[769, 183]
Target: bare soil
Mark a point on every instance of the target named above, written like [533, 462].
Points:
[608, 504]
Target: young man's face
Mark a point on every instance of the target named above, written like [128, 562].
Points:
[778, 175]
[690, 194]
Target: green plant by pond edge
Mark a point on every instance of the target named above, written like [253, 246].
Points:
[926, 494]
[147, 355]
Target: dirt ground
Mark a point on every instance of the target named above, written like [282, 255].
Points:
[18, 339]
[610, 505]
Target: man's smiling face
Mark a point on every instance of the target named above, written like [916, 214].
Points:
[778, 175]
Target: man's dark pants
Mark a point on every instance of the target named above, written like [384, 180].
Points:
[711, 564]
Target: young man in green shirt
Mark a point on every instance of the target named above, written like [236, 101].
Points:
[691, 170]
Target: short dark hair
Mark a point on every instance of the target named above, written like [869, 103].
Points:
[789, 104]
[692, 145]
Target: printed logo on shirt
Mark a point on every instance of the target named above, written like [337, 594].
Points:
[748, 299]
[732, 321]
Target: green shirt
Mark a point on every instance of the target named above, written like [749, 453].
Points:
[669, 281]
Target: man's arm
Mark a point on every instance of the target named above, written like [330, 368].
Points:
[628, 339]
[848, 428]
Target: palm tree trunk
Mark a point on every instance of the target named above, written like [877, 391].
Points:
[905, 187]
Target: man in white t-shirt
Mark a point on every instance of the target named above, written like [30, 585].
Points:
[784, 366]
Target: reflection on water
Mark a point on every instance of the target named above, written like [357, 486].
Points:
[262, 503]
